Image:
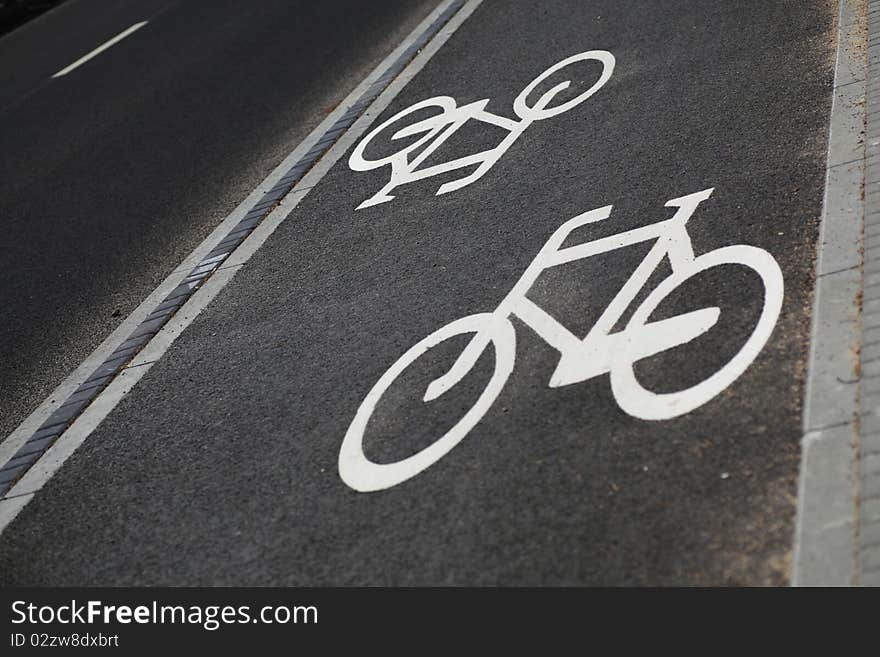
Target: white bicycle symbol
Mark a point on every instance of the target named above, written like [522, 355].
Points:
[581, 359]
[440, 127]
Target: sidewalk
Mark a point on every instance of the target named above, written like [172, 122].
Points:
[868, 519]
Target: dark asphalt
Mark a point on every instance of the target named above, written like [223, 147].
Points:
[110, 175]
[220, 468]
[15, 14]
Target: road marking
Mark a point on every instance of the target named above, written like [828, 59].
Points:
[380, 87]
[97, 51]
[440, 127]
[600, 352]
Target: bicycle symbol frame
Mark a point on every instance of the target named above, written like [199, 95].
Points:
[598, 353]
[440, 127]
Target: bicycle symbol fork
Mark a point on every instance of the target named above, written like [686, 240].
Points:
[581, 359]
[436, 129]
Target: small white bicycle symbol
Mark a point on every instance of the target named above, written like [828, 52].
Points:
[581, 359]
[440, 127]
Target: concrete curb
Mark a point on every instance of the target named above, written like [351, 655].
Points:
[869, 444]
[825, 552]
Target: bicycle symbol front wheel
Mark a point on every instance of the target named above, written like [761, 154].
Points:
[639, 402]
[539, 110]
[364, 475]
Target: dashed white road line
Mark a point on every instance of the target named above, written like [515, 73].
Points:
[97, 51]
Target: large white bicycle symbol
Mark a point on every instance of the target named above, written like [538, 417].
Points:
[581, 359]
[440, 127]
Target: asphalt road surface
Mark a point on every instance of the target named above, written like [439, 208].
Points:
[110, 175]
[221, 466]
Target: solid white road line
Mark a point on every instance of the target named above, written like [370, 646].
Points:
[97, 51]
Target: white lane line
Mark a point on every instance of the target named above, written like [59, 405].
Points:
[82, 427]
[97, 51]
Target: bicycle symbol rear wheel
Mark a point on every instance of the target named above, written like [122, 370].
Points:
[364, 475]
[357, 160]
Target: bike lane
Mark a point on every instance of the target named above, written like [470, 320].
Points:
[221, 465]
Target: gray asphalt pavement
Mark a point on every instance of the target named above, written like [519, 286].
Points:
[221, 466]
[109, 176]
